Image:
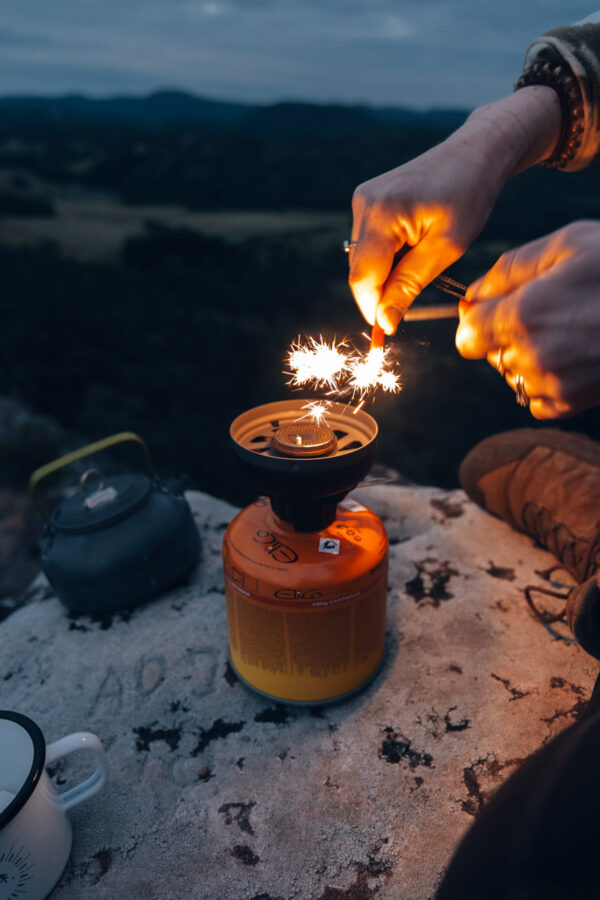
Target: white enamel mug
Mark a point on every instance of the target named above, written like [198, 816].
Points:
[35, 832]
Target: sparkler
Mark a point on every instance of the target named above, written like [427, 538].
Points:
[341, 370]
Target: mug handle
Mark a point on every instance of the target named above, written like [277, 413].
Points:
[80, 740]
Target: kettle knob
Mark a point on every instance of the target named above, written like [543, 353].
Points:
[92, 486]
[91, 482]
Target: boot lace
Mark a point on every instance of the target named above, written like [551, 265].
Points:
[577, 555]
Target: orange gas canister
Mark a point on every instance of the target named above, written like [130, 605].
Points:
[305, 568]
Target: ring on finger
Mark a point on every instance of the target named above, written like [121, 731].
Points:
[500, 362]
[522, 395]
[349, 245]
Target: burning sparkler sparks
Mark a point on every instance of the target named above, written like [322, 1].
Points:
[339, 368]
[316, 411]
[317, 363]
[365, 371]
[390, 382]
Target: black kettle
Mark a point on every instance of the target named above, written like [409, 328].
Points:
[114, 544]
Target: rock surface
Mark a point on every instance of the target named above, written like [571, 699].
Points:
[217, 793]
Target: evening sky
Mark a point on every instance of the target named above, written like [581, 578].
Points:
[419, 53]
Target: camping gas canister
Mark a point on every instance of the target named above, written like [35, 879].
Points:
[305, 569]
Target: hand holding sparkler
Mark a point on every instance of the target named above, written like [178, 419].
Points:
[436, 205]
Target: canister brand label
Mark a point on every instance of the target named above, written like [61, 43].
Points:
[295, 597]
[295, 594]
[280, 552]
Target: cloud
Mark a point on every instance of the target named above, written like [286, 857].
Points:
[418, 53]
[214, 9]
[383, 27]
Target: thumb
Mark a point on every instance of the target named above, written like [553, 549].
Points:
[414, 272]
[370, 264]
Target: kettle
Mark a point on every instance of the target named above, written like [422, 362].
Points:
[114, 544]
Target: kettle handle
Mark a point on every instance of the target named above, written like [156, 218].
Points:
[76, 455]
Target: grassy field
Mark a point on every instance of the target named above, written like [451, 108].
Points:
[95, 229]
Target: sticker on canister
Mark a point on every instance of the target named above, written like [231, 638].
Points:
[353, 505]
[329, 545]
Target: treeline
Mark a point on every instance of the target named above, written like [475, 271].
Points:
[175, 149]
[265, 164]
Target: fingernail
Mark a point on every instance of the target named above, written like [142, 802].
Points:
[388, 320]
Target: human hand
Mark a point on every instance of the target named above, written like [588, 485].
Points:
[539, 305]
[438, 203]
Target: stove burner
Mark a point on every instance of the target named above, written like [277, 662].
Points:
[304, 439]
[304, 468]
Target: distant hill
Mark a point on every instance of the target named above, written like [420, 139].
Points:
[168, 106]
[289, 120]
[155, 109]
[439, 118]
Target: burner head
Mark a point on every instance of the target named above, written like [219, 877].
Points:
[305, 469]
[304, 439]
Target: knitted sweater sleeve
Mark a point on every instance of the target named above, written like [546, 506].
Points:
[576, 48]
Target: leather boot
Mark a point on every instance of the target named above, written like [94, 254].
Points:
[546, 483]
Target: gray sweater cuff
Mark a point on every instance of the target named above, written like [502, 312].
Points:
[576, 47]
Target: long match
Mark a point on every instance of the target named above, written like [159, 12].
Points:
[426, 313]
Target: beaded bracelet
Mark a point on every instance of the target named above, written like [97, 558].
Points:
[563, 82]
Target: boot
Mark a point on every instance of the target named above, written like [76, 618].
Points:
[546, 483]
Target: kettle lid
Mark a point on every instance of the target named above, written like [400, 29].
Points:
[87, 510]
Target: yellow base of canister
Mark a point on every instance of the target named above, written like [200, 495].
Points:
[337, 699]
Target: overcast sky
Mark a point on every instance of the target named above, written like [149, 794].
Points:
[418, 53]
